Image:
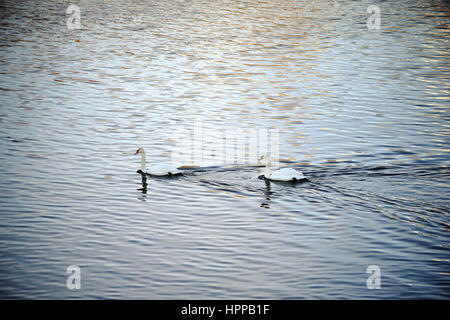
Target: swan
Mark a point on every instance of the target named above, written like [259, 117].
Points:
[284, 174]
[160, 169]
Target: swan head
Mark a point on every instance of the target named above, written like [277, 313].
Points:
[140, 150]
[264, 158]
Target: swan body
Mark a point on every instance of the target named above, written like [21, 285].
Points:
[160, 169]
[284, 174]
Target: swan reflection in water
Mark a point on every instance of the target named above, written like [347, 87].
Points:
[267, 194]
[144, 182]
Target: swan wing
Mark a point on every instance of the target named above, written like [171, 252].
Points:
[287, 174]
[162, 169]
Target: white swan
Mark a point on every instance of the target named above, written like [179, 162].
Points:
[160, 169]
[284, 174]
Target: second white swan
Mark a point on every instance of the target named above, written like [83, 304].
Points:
[284, 174]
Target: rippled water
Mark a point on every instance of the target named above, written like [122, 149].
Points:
[363, 113]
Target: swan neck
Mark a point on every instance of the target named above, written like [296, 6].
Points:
[267, 169]
[143, 161]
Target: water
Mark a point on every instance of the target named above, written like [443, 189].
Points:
[363, 113]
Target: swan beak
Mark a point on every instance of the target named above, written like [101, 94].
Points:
[260, 158]
[136, 152]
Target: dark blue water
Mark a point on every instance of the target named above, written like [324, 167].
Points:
[364, 114]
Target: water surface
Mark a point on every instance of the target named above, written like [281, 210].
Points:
[363, 113]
